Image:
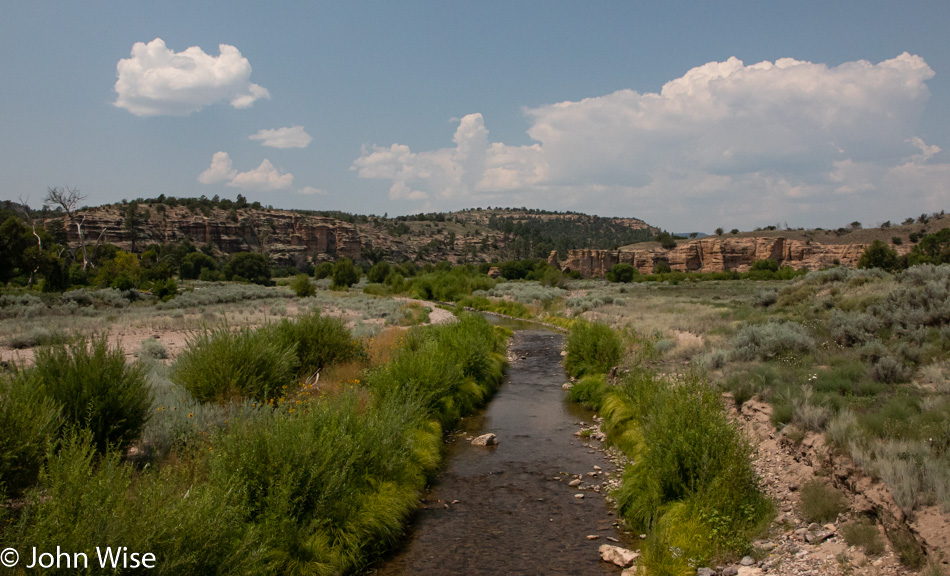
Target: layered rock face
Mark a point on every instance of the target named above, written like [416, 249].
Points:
[289, 238]
[717, 255]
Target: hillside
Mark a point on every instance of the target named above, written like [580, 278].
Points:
[298, 238]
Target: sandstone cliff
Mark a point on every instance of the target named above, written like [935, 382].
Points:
[718, 255]
[288, 237]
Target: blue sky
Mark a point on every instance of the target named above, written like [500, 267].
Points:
[690, 115]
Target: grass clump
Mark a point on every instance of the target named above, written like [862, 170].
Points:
[221, 364]
[592, 348]
[691, 471]
[589, 391]
[96, 389]
[821, 502]
[863, 532]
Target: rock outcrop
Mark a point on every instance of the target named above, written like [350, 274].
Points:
[290, 238]
[717, 255]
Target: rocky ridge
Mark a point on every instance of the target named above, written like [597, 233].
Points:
[718, 255]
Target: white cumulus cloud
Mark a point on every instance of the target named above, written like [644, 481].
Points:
[157, 81]
[263, 178]
[726, 143]
[289, 137]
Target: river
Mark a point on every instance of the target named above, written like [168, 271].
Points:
[508, 509]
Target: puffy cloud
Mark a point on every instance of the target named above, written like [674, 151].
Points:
[157, 81]
[290, 137]
[264, 177]
[472, 168]
[788, 140]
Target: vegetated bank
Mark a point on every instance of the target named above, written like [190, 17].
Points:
[261, 468]
[690, 486]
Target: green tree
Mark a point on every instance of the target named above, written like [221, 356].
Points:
[719, 231]
[622, 273]
[192, 265]
[879, 255]
[249, 267]
[345, 273]
[378, 272]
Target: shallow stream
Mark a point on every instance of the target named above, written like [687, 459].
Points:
[508, 509]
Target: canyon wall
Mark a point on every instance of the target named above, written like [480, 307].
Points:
[717, 255]
[289, 238]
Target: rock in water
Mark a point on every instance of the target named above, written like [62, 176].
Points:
[485, 440]
[617, 555]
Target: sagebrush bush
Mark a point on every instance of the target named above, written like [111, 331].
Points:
[888, 371]
[221, 364]
[29, 423]
[592, 348]
[765, 341]
[96, 389]
[852, 329]
[153, 348]
[38, 336]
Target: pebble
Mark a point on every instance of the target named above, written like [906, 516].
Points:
[593, 536]
[579, 496]
[574, 482]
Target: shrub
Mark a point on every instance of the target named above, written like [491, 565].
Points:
[661, 267]
[29, 422]
[764, 298]
[96, 390]
[153, 348]
[863, 532]
[767, 265]
[589, 391]
[853, 328]
[220, 364]
[302, 287]
[888, 371]
[38, 336]
[165, 290]
[622, 273]
[821, 502]
[766, 341]
[592, 348]
[317, 341]
[84, 502]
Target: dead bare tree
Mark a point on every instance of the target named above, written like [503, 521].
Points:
[68, 199]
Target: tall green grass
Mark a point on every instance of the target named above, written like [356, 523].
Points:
[319, 485]
[691, 474]
[220, 364]
[592, 348]
[29, 423]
